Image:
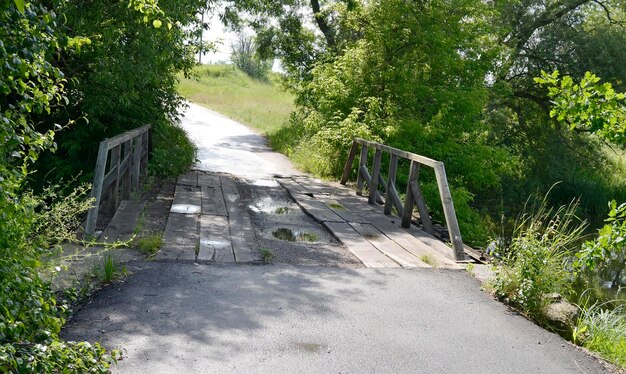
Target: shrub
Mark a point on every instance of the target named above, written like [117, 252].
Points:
[536, 263]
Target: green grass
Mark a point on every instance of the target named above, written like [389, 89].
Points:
[603, 330]
[263, 106]
[267, 255]
[149, 244]
[109, 270]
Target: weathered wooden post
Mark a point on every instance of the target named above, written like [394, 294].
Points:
[96, 189]
[348, 166]
[448, 211]
[375, 178]
[362, 170]
[391, 183]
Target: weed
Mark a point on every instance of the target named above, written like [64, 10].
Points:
[337, 206]
[470, 269]
[109, 271]
[427, 259]
[307, 237]
[267, 256]
[282, 210]
[149, 244]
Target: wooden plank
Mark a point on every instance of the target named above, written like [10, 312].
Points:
[448, 211]
[292, 186]
[313, 186]
[181, 238]
[213, 201]
[115, 162]
[342, 211]
[188, 179]
[434, 248]
[215, 244]
[387, 246]
[421, 207]
[359, 246]
[208, 180]
[136, 166]
[187, 199]
[128, 135]
[316, 209]
[125, 169]
[348, 165]
[241, 232]
[409, 198]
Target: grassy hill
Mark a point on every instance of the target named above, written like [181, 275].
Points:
[263, 106]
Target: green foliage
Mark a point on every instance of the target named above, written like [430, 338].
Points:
[587, 106]
[244, 56]
[606, 255]
[535, 264]
[267, 255]
[173, 152]
[149, 244]
[122, 77]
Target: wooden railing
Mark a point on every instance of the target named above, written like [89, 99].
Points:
[122, 162]
[413, 195]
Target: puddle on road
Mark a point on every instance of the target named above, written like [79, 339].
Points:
[294, 235]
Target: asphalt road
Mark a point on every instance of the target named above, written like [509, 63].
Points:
[186, 318]
[172, 317]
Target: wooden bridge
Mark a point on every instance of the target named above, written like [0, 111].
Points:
[208, 220]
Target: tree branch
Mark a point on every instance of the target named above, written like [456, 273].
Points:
[323, 25]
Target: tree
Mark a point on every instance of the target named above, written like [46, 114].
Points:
[244, 56]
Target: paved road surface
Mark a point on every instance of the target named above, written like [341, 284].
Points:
[173, 317]
[230, 147]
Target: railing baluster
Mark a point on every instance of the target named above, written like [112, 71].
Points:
[448, 211]
[375, 177]
[348, 166]
[391, 183]
[408, 196]
[362, 165]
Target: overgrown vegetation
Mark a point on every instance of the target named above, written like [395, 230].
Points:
[548, 256]
[65, 83]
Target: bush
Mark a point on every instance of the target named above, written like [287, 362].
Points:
[536, 264]
[173, 153]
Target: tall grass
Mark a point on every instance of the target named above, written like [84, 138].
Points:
[537, 261]
[602, 329]
[262, 105]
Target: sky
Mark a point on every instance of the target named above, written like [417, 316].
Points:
[217, 32]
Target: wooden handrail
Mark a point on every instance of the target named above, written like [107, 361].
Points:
[127, 165]
[413, 196]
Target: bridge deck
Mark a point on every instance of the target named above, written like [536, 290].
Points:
[208, 222]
